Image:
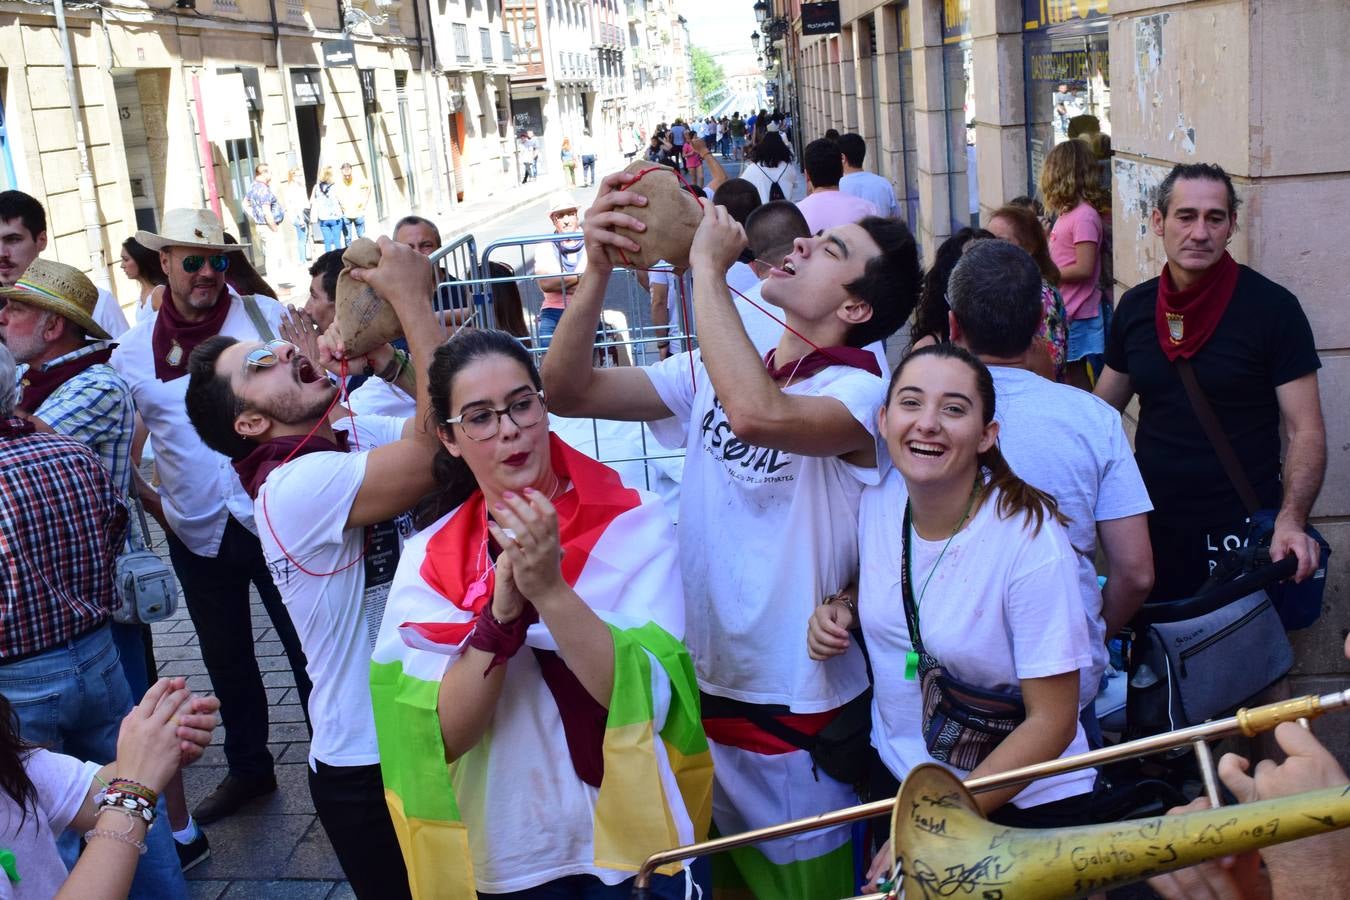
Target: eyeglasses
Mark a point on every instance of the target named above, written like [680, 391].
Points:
[219, 263]
[484, 423]
[265, 357]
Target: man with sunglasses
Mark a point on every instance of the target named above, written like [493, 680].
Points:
[209, 517]
[331, 524]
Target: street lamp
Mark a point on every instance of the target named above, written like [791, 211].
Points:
[761, 11]
[754, 40]
[530, 28]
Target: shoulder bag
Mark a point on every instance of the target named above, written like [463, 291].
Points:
[256, 316]
[144, 586]
[962, 723]
[1298, 605]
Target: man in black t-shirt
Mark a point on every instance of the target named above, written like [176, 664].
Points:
[1253, 355]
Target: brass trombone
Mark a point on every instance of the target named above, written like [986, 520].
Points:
[942, 842]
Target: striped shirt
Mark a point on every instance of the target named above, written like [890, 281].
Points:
[95, 408]
[62, 525]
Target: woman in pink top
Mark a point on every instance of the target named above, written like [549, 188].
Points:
[1069, 183]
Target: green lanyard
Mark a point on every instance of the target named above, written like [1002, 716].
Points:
[912, 657]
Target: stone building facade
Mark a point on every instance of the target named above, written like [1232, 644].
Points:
[959, 100]
[178, 102]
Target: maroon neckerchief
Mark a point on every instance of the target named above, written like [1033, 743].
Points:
[38, 384]
[1186, 319]
[177, 337]
[254, 468]
[822, 358]
[15, 427]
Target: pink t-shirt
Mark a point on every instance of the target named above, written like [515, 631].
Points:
[1082, 299]
[829, 209]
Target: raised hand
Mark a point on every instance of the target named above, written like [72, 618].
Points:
[606, 214]
[718, 242]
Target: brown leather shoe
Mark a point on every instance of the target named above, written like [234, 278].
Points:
[231, 794]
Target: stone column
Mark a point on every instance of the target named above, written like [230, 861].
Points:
[1244, 84]
[835, 119]
[930, 123]
[848, 82]
[863, 61]
[885, 153]
[1000, 104]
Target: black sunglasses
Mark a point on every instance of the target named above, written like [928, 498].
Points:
[219, 263]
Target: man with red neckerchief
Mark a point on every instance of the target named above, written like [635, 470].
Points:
[1253, 355]
[208, 516]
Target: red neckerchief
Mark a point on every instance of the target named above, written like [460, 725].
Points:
[174, 338]
[38, 384]
[822, 358]
[455, 562]
[254, 468]
[1186, 319]
[15, 427]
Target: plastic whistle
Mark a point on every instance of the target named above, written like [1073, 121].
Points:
[911, 665]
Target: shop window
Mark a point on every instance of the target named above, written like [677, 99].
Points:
[1068, 79]
[7, 179]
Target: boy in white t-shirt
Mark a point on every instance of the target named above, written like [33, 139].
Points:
[329, 522]
[777, 456]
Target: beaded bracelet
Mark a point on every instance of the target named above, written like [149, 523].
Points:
[127, 786]
[134, 804]
[122, 836]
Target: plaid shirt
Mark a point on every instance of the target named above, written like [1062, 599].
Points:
[62, 524]
[95, 408]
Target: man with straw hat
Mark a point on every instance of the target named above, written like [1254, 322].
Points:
[67, 386]
[207, 514]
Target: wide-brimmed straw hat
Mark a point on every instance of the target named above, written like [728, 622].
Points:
[61, 289]
[196, 228]
[561, 202]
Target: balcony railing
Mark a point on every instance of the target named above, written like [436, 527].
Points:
[508, 52]
[461, 32]
[485, 42]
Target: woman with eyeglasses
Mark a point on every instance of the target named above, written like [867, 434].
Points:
[532, 640]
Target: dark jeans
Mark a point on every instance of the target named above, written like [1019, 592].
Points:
[351, 807]
[216, 592]
[588, 168]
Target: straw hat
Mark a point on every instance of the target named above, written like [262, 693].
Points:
[61, 289]
[196, 228]
[561, 202]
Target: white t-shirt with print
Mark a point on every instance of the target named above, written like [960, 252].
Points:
[1071, 445]
[336, 615]
[764, 535]
[62, 782]
[1003, 605]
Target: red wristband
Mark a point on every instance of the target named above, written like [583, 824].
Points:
[502, 641]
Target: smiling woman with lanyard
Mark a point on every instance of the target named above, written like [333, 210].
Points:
[968, 599]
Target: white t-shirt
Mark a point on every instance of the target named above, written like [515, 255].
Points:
[1071, 445]
[872, 188]
[764, 535]
[62, 783]
[336, 615]
[109, 315]
[786, 174]
[1037, 630]
[377, 397]
[199, 486]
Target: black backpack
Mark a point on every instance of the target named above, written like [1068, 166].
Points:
[775, 191]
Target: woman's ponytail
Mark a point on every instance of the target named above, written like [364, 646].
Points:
[1016, 497]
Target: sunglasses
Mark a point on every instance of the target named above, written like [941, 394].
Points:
[219, 263]
[265, 357]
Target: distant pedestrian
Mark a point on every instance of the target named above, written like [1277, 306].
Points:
[867, 185]
[296, 200]
[529, 156]
[326, 210]
[354, 195]
[141, 265]
[265, 212]
[587, 150]
[569, 162]
[826, 206]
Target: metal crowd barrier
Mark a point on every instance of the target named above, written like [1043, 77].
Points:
[478, 292]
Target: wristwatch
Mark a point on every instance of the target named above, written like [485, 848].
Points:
[843, 599]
